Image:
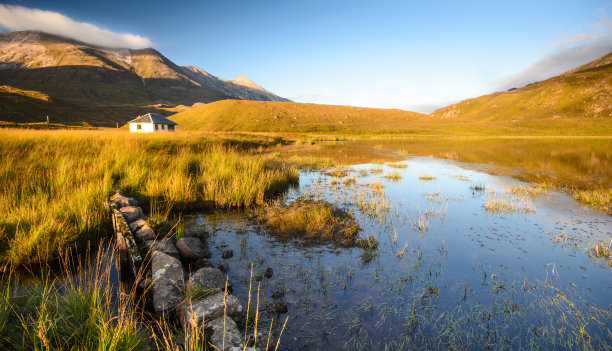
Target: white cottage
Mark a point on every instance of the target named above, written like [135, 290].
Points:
[152, 122]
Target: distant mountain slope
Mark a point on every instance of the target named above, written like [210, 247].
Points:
[583, 92]
[100, 85]
[267, 116]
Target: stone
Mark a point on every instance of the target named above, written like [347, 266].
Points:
[201, 263]
[145, 233]
[223, 267]
[232, 335]
[166, 246]
[168, 283]
[268, 273]
[192, 248]
[209, 278]
[262, 340]
[131, 213]
[278, 306]
[227, 254]
[210, 308]
[137, 224]
[121, 200]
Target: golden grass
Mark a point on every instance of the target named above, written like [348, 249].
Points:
[597, 198]
[393, 176]
[55, 183]
[427, 177]
[510, 203]
[311, 221]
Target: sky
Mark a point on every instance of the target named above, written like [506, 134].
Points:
[414, 55]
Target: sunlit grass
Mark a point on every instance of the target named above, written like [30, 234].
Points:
[55, 183]
[395, 176]
[312, 221]
[509, 203]
[598, 198]
[427, 177]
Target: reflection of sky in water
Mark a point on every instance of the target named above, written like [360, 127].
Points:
[465, 262]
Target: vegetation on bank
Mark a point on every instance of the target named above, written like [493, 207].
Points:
[55, 183]
[312, 222]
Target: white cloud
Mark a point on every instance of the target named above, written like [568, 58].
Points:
[22, 18]
[570, 53]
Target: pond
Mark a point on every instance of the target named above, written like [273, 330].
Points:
[469, 256]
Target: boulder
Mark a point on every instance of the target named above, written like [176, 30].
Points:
[137, 224]
[269, 273]
[201, 263]
[145, 233]
[192, 248]
[131, 213]
[227, 254]
[121, 200]
[228, 331]
[209, 278]
[166, 246]
[168, 283]
[210, 308]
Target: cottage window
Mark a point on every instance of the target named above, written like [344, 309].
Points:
[138, 126]
[171, 128]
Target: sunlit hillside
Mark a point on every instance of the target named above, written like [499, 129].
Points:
[259, 116]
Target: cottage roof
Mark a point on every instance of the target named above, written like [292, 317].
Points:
[152, 118]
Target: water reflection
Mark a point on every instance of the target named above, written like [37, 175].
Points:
[466, 278]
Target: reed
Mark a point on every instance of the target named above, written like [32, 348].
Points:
[55, 183]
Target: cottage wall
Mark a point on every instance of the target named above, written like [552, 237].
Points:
[145, 128]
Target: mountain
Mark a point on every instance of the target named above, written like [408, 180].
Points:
[269, 116]
[101, 86]
[572, 98]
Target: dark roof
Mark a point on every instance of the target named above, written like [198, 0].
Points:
[152, 118]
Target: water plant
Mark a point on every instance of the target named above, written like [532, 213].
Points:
[427, 177]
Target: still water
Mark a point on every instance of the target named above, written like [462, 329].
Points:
[448, 273]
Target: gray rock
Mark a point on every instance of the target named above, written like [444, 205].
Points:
[137, 224]
[121, 200]
[201, 263]
[131, 213]
[269, 273]
[208, 278]
[227, 254]
[192, 248]
[166, 246]
[210, 308]
[230, 333]
[168, 283]
[145, 233]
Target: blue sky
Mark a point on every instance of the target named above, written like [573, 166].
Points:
[395, 54]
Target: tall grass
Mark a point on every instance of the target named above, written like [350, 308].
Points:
[80, 310]
[54, 183]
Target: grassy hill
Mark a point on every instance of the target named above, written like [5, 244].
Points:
[582, 93]
[269, 116]
[578, 102]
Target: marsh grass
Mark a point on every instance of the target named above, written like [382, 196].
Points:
[397, 165]
[508, 203]
[602, 252]
[79, 310]
[337, 173]
[532, 190]
[55, 183]
[395, 176]
[311, 221]
[427, 177]
[597, 198]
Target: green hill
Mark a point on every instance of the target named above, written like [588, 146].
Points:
[269, 116]
[579, 95]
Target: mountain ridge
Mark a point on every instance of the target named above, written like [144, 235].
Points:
[77, 74]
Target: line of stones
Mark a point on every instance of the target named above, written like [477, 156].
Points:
[163, 259]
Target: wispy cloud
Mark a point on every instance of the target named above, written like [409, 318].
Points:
[570, 52]
[23, 18]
